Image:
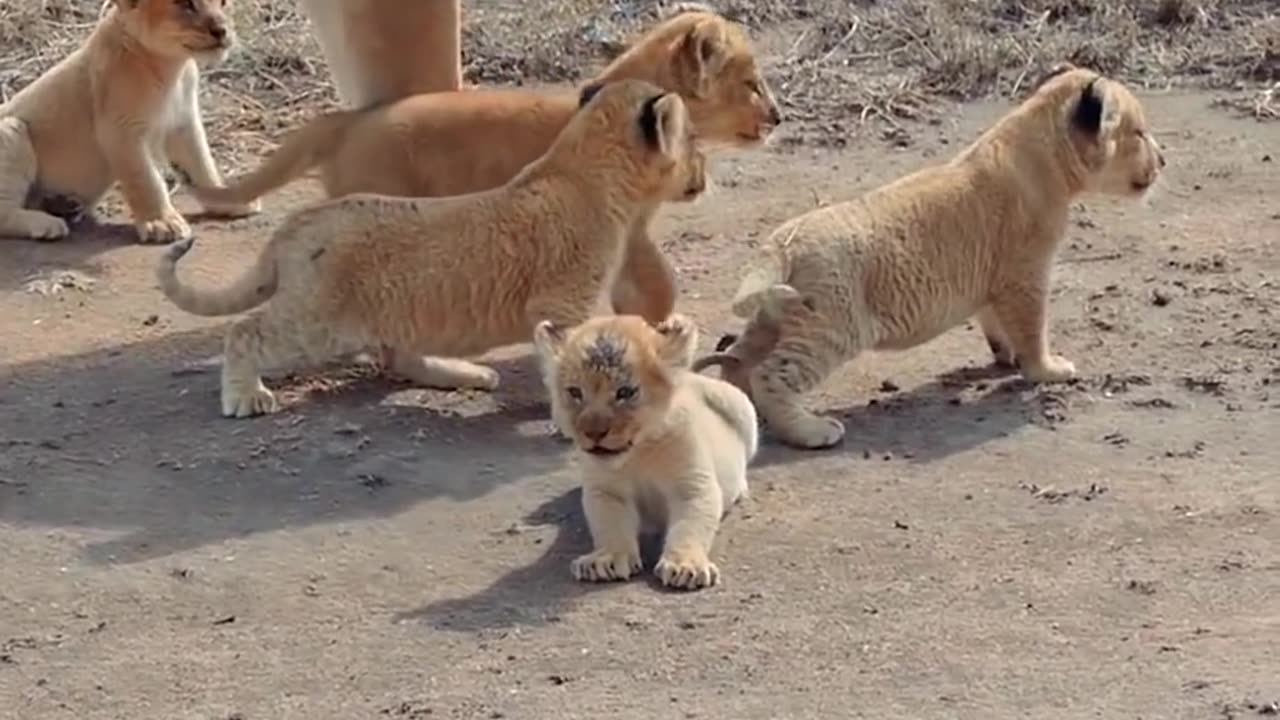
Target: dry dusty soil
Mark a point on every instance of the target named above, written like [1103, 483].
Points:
[977, 547]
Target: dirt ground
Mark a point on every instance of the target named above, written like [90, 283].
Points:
[976, 548]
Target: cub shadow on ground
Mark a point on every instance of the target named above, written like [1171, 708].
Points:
[131, 439]
[22, 259]
[957, 411]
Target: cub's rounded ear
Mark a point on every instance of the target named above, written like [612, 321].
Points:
[1095, 113]
[548, 339]
[587, 92]
[678, 339]
[664, 122]
[706, 49]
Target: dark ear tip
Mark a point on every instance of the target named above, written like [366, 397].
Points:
[588, 91]
[1088, 113]
[649, 121]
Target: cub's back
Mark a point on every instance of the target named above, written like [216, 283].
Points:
[447, 143]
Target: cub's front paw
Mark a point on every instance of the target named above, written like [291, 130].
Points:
[687, 570]
[234, 211]
[169, 228]
[1053, 368]
[43, 226]
[243, 403]
[605, 565]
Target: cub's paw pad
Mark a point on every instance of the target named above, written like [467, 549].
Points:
[812, 432]
[687, 572]
[604, 566]
[242, 404]
[165, 230]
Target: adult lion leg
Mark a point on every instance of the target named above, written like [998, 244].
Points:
[645, 284]
[1023, 313]
[188, 149]
[17, 173]
[614, 523]
[996, 339]
[694, 508]
[440, 373]
[378, 51]
[807, 351]
[142, 185]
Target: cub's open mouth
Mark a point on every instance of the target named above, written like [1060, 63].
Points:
[1140, 186]
[602, 451]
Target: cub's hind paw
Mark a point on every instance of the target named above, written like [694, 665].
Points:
[605, 565]
[812, 432]
[234, 211]
[1054, 368]
[242, 404]
[687, 571]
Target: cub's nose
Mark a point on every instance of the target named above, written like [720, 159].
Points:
[218, 31]
[775, 116]
[595, 434]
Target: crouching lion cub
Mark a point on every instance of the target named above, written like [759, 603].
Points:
[660, 446]
[117, 109]
[910, 260]
[455, 276]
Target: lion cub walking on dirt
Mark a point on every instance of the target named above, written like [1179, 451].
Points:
[116, 110]
[660, 446]
[455, 276]
[910, 260]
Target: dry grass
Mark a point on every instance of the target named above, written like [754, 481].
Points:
[845, 62]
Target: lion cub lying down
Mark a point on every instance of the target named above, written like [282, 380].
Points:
[660, 446]
[117, 109]
[454, 276]
[910, 260]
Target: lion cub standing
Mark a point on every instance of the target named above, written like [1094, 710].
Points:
[455, 276]
[910, 260]
[116, 109]
[660, 446]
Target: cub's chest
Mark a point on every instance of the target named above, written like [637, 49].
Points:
[173, 106]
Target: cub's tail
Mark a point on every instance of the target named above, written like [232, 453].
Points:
[248, 291]
[301, 150]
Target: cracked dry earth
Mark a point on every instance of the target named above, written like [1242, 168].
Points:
[977, 548]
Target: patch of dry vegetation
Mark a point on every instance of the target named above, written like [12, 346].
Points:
[843, 62]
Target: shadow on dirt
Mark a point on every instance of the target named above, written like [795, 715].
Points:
[958, 411]
[130, 439]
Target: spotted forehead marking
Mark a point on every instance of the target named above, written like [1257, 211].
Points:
[606, 354]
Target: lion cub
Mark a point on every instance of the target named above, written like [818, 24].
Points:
[456, 276]
[660, 447]
[119, 107]
[910, 260]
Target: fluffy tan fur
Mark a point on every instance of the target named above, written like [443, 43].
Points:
[912, 259]
[453, 143]
[661, 448]
[117, 109]
[379, 51]
[456, 276]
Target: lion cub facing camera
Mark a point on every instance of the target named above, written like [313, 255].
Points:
[660, 446]
[914, 258]
[115, 110]
[455, 276]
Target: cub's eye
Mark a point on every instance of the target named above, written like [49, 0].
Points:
[575, 394]
[625, 393]
[187, 5]
[753, 86]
